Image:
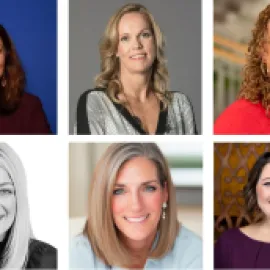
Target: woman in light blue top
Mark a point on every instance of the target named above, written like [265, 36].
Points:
[132, 221]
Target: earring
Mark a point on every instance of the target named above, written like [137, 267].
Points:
[164, 206]
[265, 69]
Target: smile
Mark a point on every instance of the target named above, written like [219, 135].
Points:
[137, 219]
[138, 56]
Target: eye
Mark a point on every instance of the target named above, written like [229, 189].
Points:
[124, 38]
[266, 183]
[146, 34]
[6, 192]
[118, 191]
[150, 188]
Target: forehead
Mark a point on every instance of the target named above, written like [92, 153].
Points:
[136, 171]
[133, 21]
[1, 42]
[265, 171]
[4, 177]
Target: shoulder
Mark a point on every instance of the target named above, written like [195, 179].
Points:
[93, 93]
[80, 252]
[30, 99]
[178, 96]
[229, 236]
[41, 255]
[241, 117]
[189, 245]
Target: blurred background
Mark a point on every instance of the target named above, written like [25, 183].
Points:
[233, 23]
[232, 163]
[185, 161]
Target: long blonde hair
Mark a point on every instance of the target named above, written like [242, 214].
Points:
[109, 76]
[100, 228]
[15, 253]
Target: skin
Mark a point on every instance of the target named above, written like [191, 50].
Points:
[266, 51]
[2, 58]
[138, 193]
[260, 231]
[7, 203]
[136, 37]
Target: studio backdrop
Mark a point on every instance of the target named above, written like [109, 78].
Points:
[32, 25]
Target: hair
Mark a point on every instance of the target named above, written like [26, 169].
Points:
[256, 85]
[100, 227]
[12, 82]
[109, 77]
[15, 253]
[249, 191]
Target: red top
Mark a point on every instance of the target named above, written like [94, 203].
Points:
[29, 118]
[243, 117]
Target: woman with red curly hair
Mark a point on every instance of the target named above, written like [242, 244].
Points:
[250, 114]
[20, 112]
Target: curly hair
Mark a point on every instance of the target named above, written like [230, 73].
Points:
[12, 81]
[249, 191]
[256, 85]
[109, 76]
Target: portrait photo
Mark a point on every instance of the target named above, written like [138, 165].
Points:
[31, 227]
[135, 68]
[28, 67]
[241, 205]
[135, 205]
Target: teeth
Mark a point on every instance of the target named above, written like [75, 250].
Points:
[139, 219]
[138, 56]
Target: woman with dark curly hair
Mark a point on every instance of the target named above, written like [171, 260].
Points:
[249, 247]
[20, 112]
[250, 114]
[132, 94]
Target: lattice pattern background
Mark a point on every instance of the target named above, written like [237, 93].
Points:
[232, 162]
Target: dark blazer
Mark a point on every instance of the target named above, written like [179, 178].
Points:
[28, 118]
[41, 255]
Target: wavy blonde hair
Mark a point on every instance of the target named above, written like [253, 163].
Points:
[100, 227]
[15, 253]
[109, 76]
[256, 84]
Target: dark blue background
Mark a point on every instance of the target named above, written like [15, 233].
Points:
[32, 26]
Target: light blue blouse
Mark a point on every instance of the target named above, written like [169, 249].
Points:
[185, 254]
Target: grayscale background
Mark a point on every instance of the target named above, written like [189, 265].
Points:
[180, 22]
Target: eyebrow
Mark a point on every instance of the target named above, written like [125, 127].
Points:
[265, 178]
[148, 29]
[6, 184]
[142, 184]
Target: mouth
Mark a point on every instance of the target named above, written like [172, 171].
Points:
[137, 219]
[138, 56]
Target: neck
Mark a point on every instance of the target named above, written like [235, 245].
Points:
[136, 87]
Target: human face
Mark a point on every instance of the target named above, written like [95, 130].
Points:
[136, 44]
[266, 51]
[137, 200]
[263, 191]
[7, 203]
[2, 58]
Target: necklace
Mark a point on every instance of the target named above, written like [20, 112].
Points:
[135, 118]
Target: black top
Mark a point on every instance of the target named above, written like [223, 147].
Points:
[41, 255]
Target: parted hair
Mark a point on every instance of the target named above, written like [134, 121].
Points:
[109, 76]
[256, 82]
[15, 253]
[249, 190]
[100, 228]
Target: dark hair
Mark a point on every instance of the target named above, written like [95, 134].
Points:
[249, 190]
[12, 82]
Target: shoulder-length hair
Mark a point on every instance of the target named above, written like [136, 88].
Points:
[256, 85]
[15, 253]
[100, 228]
[249, 191]
[12, 82]
[109, 76]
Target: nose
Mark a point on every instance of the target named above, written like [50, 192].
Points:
[137, 43]
[136, 202]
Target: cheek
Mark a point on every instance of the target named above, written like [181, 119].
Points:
[262, 193]
[118, 205]
[154, 201]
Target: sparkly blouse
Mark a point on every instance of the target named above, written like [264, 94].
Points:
[97, 114]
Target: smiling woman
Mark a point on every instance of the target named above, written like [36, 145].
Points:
[18, 248]
[132, 94]
[135, 224]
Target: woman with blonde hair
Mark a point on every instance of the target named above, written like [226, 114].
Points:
[132, 216]
[132, 94]
[18, 248]
[250, 114]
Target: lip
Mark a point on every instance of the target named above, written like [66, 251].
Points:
[141, 56]
[137, 219]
